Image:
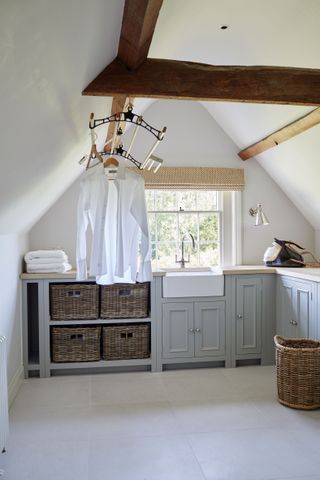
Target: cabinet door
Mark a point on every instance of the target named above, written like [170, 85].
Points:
[248, 315]
[209, 322]
[294, 315]
[177, 330]
[302, 310]
[285, 307]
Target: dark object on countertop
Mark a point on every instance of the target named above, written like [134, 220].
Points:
[283, 254]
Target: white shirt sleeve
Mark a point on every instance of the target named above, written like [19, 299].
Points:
[82, 225]
[139, 212]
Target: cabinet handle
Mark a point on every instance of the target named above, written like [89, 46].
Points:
[191, 330]
[198, 330]
[239, 315]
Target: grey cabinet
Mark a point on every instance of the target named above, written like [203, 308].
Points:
[177, 330]
[37, 324]
[193, 329]
[295, 309]
[248, 331]
[252, 318]
[209, 323]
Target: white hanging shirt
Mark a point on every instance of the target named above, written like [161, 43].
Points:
[116, 211]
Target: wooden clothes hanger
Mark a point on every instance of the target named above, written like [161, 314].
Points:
[111, 162]
[94, 154]
[110, 168]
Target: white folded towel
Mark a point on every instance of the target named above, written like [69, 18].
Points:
[58, 254]
[44, 266]
[49, 268]
[45, 260]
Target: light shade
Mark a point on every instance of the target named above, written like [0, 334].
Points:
[260, 216]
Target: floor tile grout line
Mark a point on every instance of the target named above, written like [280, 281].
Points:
[195, 456]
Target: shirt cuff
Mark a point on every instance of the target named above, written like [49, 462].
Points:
[82, 270]
[145, 272]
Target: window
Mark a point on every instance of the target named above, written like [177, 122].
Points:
[173, 215]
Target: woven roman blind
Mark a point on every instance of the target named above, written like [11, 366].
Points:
[193, 178]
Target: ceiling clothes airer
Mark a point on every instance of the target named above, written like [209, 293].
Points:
[128, 117]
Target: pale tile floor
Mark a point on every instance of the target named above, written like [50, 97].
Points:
[204, 424]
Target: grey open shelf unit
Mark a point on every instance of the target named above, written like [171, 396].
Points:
[36, 323]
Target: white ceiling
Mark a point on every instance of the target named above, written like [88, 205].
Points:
[260, 33]
[49, 51]
[275, 32]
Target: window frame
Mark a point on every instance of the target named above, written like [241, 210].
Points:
[218, 212]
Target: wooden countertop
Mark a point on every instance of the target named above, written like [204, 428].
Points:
[312, 274]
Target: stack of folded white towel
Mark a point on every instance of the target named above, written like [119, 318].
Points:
[47, 261]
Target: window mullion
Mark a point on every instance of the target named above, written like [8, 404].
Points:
[178, 230]
[156, 235]
[198, 235]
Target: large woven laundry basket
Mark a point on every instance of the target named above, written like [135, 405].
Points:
[298, 372]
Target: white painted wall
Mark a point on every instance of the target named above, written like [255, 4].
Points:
[193, 139]
[49, 52]
[58, 227]
[317, 243]
[12, 249]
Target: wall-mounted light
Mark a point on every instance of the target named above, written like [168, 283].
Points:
[260, 216]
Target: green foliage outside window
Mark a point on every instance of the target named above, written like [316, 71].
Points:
[175, 214]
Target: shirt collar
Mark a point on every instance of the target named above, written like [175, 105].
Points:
[121, 171]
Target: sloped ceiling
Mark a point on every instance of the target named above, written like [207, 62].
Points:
[50, 51]
[259, 33]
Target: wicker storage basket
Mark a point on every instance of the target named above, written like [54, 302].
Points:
[75, 344]
[125, 300]
[74, 301]
[121, 342]
[298, 372]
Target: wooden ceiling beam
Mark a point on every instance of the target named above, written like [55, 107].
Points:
[138, 24]
[158, 78]
[280, 136]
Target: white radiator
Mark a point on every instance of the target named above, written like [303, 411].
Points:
[4, 420]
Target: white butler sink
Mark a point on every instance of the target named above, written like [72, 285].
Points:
[193, 283]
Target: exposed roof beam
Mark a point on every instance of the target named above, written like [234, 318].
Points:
[285, 133]
[157, 78]
[138, 24]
